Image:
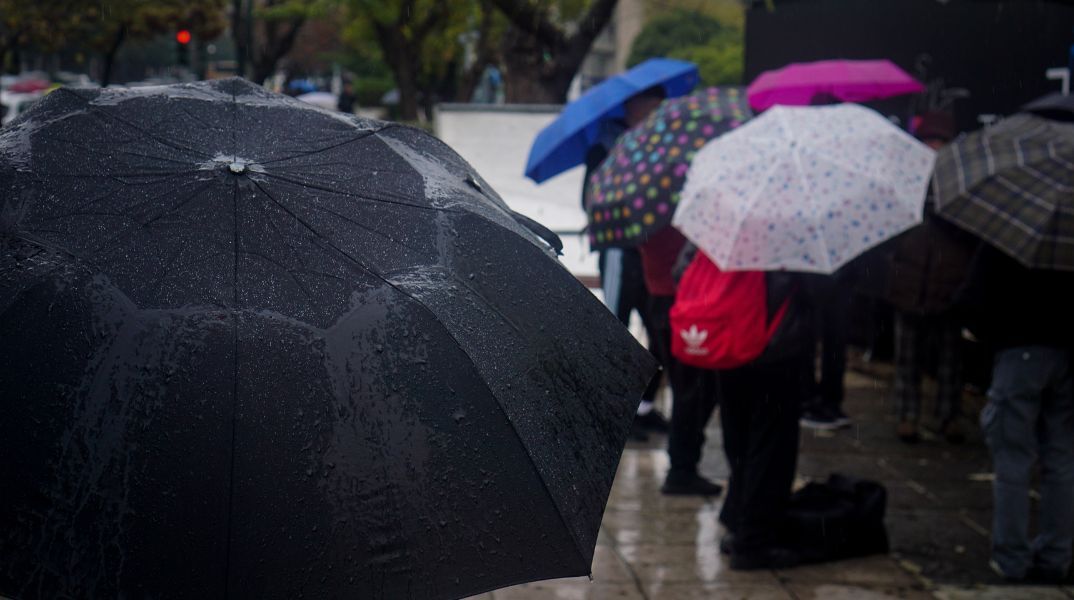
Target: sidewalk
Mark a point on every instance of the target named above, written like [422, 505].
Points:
[653, 547]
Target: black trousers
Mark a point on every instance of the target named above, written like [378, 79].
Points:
[760, 408]
[694, 392]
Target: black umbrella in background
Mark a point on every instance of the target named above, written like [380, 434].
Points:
[255, 349]
[1056, 106]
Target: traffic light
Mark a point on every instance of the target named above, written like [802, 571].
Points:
[182, 47]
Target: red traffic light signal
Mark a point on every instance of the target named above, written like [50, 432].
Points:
[182, 36]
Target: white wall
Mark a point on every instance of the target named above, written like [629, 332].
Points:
[496, 142]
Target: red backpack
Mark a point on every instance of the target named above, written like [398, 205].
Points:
[720, 318]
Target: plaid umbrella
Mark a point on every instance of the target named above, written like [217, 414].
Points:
[1011, 184]
[634, 192]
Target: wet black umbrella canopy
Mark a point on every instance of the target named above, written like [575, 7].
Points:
[251, 348]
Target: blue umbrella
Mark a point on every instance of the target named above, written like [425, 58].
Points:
[302, 85]
[564, 143]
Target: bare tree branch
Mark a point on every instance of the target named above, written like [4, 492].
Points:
[531, 20]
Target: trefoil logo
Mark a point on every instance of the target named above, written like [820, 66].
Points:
[694, 339]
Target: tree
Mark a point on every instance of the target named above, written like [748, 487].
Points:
[107, 26]
[540, 57]
[265, 31]
[714, 46]
[45, 25]
[417, 39]
[490, 28]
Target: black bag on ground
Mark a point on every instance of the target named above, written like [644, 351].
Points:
[840, 518]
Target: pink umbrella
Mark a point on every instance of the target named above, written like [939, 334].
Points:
[847, 80]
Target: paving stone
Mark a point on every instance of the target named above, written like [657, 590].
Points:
[723, 591]
[830, 591]
[662, 564]
[873, 570]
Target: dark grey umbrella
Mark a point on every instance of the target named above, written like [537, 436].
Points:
[1055, 106]
[251, 348]
[1010, 184]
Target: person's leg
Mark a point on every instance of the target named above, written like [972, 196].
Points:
[611, 283]
[1052, 548]
[835, 326]
[634, 296]
[735, 398]
[768, 466]
[815, 412]
[949, 376]
[694, 397]
[907, 374]
[1009, 422]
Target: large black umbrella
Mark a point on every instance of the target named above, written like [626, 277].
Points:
[251, 348]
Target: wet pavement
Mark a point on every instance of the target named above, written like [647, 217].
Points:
[653, 547]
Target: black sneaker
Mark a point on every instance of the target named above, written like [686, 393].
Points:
[818, 418]
[768, 558]
[689, 485]
[652, 421]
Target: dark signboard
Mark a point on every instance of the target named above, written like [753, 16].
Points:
[978, 57]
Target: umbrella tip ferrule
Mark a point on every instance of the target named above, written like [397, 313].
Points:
[235, 165]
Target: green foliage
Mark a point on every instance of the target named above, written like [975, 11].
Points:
[718, 64]
[715, 46]
[418, 39]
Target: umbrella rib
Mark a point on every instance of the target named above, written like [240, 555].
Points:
[117, 176]
[298, 168]
[81, 144]
[451, 335]
[193, 196]
[128, 229]
[357, 138]
[747, 207]
[797, 154]
[96, 110]
[280, 235]
[330, 190]
[363, 226]
[93, 201]
[186, 110]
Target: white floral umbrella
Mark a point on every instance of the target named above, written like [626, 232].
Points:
[803, 189]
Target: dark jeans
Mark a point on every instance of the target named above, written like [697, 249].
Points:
[623, 282]
[760, 407]
[1029, 419]
[694, 394]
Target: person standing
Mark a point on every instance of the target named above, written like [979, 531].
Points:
[824, 407]
[621, 277]
[760, 407]
[928, 273]
[1025, 316]
[694, 391]
[346, 100]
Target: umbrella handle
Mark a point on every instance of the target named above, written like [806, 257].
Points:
[540, 231]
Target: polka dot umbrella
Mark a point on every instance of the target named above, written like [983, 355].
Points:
[804, 189]
[634, 192]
